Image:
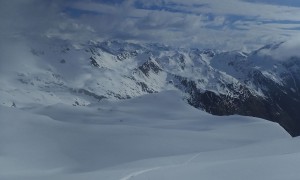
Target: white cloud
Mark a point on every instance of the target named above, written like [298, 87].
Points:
[241, 8]
[287, 50]
[231, 24]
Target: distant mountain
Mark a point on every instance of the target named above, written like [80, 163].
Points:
[221, 83]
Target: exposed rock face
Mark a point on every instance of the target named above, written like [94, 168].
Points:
[221, 83]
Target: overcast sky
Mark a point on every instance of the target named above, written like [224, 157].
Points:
[220, 24]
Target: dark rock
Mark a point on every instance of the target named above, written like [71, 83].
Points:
[94, 62]
[150, 66]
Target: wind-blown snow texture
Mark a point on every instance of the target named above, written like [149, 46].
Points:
[156, 136]
[222, 83]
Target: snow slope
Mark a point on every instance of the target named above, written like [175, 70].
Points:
[52, 71]
[156, 136]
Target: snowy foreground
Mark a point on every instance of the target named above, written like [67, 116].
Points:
[155, 136]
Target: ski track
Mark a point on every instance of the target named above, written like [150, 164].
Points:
[140, 172]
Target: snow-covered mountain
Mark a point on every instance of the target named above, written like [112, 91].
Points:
[221, 83]
[119, 111]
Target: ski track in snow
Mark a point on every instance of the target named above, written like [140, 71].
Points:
[137, 173]
[140, 172]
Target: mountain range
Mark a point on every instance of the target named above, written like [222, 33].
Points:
[256, 83]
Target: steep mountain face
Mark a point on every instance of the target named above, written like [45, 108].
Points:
[221, 83]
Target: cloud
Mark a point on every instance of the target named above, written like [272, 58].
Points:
[27, 18]
[20, 23]
[287, 50]
[15, 56]
[231, 24]
[291, 3]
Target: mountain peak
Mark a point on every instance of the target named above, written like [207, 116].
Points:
[219, 82]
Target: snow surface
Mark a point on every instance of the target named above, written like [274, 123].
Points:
[54, 71]
[155, 136]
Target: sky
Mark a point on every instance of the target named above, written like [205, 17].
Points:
[218, 24]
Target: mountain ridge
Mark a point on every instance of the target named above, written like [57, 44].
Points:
[219, 82]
